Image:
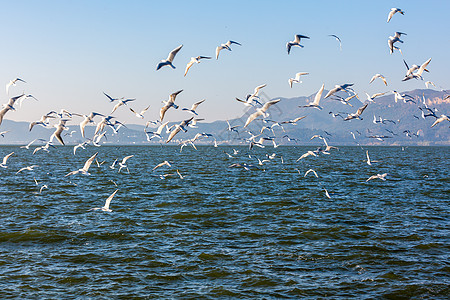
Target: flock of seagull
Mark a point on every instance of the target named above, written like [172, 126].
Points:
[253, 101]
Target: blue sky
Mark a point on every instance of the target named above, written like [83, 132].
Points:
[69, 52]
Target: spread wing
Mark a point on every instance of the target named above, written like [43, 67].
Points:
[173, 53]
[318, 95]
[108, 201]
[89, 162]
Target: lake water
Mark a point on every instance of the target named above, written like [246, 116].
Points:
[224, 232]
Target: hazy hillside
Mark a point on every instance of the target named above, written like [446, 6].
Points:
[407, 117]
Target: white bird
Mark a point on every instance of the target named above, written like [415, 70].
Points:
[297, 78]
[169, 60]
[194, 107]
[309, 171]
[393, 12]
[372, 98]
[306, 155]
[13, 83]
[418, 74]
[87, 119]
[4, 110]
[225, 46]
[193, 61]
[168, 104]
[255, 95]
[141, 114]
[369, 162]
[113, 165]
[164, 163]
[337, 39]
[81, 145]
[107, 203]
[428, 83]
[394, 39]
[123, 163]
[156, 133]
[294, 121]
[29, 168]
[85, 168]
[442, 118]
[315, 103]
[295, 42]
[120, 103]
[337, 88]
[3, 133]
[179, 174]
[379, 176]
[5, 160]
[59, 129]
[326, 193]
[178, 128]
[378, 76]
[30, 143]
[357, 114]
[261, 111]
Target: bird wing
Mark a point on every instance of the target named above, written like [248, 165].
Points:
[5, 159]
[173, 133]
[423, 66]
[269, 104]
[173, 53]
[391, 13]
[108, 200]
[124, 160]
[318, 95]
[189, 65]
[258, 88]
[252, 117]
[361, 109]
[144, 110]
[298, 119]
[218, 49]
[229, 43]
[88, 163]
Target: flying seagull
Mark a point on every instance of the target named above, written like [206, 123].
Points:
[107, 203]
[225, 46]
[85, 168]
[261, 111]
[193, 61]
[393, 12]
[194, 107]
[394, 39]
[5, 160]
[378, 76]
[168, 104]
[357, 114]
[178, 128]
[417, 74]
[297, 78]
[295, 42]
[315, 103]
[337, 88]
[169, 60]
[379, 176]
[13, 83]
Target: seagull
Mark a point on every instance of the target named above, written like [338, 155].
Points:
[29, 168]
[164, 163]
[379, 176]
[113, 165]
[107, 203]
[121, 102]
[369, 162]
[123, 163]
[294, 121]
[378, 76]
[111, 99]
[141, 114]
[337, 39]
[5, 159]
[337, 88]
[306, 155]
[261, 111]
[315, 103]
[309, 171]
[179, 174]
[295, 42]
[255, 94]
[45, 147]
[85, 168]
[4, 110]
[394, 39]
[13, 83]
[168, 104]
[193, 61]
[442, 118]
[87, 119]
[399, 96]
[178, 128]
[371, 98]
[30, 143]
[344, 101]
[194, 107]
[297, 78]
[81, 145]
[59, 129]
[428, 83]
[418, 73]
[393, 12]
[326, 193]
[225, 46]
[169, 60]
[232, 128]
[357, 114]
[156, 133]
[194, 122]
[3, 133]
[43, 121]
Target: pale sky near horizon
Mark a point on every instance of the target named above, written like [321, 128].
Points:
[69, 52]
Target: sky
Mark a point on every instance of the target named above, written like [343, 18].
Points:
[70, 52]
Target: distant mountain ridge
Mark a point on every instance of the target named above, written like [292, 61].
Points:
[407, 117]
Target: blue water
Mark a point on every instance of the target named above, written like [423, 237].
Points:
[225, 232]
